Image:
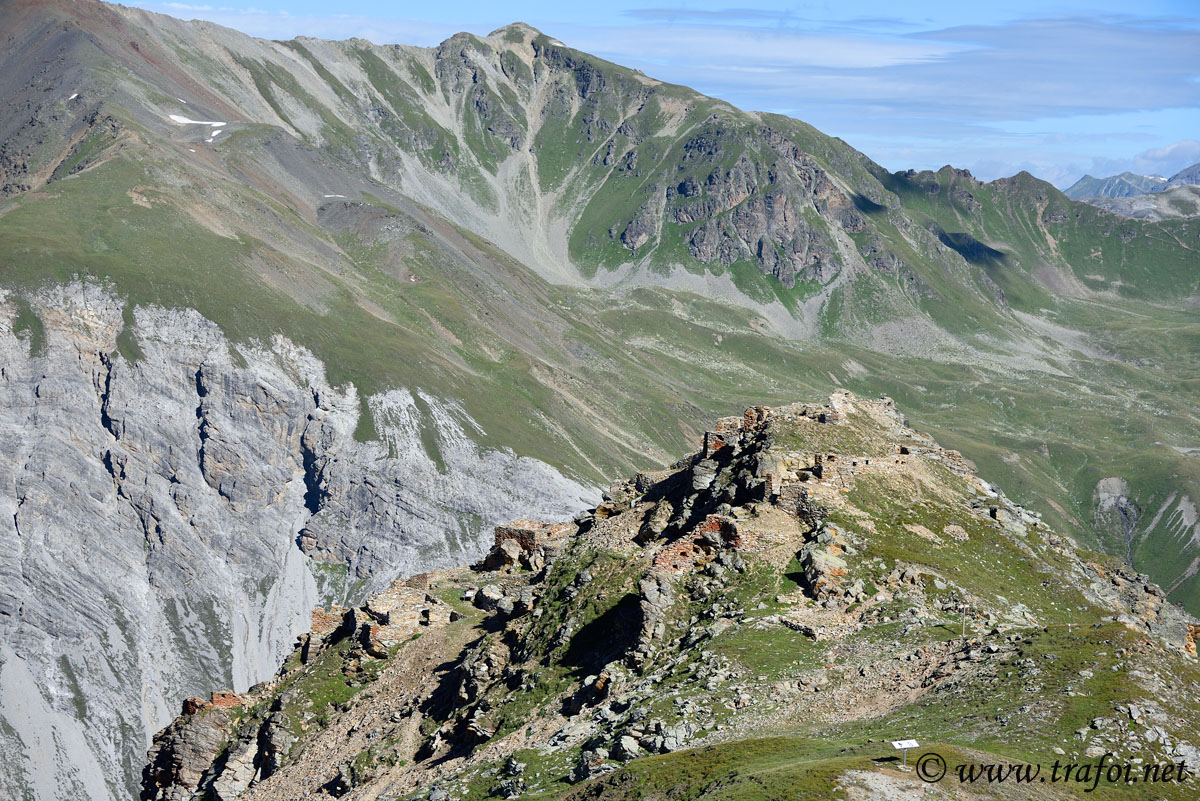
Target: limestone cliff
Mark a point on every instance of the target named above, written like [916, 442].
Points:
[160, 489]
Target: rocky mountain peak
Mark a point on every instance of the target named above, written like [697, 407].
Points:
[1188, 176]
[515, 33]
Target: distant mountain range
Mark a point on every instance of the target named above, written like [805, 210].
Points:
[1147, 197]
[1127, 184]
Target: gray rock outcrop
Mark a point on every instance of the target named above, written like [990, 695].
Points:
[161, 511]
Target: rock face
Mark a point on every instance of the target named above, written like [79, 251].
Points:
[192, 743]
[765, 203]
[773, 208]
[161, 489]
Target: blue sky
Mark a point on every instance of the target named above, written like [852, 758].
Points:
[1056, 88]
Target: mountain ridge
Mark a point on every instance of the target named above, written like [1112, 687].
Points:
[1188, 176]
[1146, 197]
[1125, 184]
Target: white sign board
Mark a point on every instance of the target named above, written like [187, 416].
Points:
[900, 745]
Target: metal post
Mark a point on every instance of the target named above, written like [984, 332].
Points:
[905, 758]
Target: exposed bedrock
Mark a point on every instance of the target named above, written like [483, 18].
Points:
[168, 501]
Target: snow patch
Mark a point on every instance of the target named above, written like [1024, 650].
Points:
[185, 121]
[332, 195]
[72, 97]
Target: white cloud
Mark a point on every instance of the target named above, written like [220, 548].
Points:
[1184, 150]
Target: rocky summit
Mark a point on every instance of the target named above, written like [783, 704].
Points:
[760, 620]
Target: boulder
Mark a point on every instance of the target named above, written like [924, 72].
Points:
[704, 473]
[627, 748]
[488, 597]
